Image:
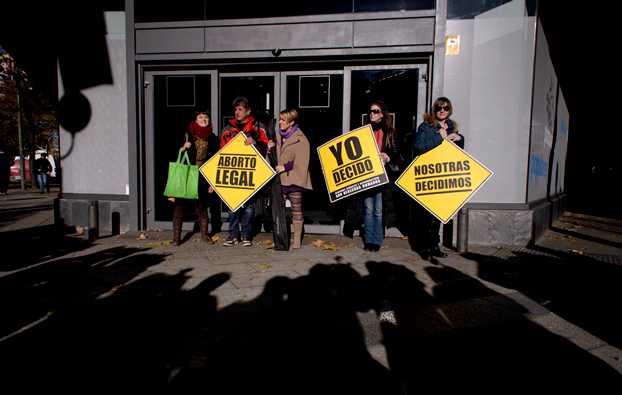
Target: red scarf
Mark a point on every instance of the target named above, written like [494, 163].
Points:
[199, 131]
[379, 135]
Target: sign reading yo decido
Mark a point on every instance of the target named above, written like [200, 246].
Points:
[351, 163]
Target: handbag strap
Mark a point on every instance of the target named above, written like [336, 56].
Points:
[185, 160]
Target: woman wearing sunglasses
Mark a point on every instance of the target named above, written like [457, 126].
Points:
[436, 127]
[386, 140]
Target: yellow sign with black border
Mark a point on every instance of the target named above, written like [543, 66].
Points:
[237, 172]
[351, 164]
[443, 179]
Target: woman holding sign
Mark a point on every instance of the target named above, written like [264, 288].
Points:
[243, 122]
[386, 140]
[201, 144]
[436, 127]
[293, 150]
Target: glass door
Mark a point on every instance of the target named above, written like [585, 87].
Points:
[403, 90]
[171, 98]
[318, 95]
[330, 102]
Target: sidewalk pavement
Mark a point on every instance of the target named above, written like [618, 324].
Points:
[135, 310]
[26, 209]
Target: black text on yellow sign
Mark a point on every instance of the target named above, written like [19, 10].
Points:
[237, 172]
[351, 164]
[446, 177]
[443, 180]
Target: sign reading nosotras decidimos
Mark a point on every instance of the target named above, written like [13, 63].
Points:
[351, 163]
[237, 172]
[443, 179]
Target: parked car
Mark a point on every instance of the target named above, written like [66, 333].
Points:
[15, 174]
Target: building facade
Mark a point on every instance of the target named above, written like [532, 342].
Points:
[330, 60]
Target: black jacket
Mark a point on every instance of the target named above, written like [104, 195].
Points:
[354, 204]
[42, 165]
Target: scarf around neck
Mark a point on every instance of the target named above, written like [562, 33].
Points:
[199, 131]
[287, 133]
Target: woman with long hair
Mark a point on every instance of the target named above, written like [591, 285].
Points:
[386, 140]
[436, 127]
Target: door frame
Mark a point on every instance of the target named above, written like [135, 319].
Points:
[311, 228]
[150, 193]
[279, 102]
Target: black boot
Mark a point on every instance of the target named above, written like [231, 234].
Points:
[178, 222]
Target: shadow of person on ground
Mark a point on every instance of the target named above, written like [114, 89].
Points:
[464, 335]
[578, 288]
[26, 247]
[299, 336]
[116, 326]
[107, 323]
[304, 335]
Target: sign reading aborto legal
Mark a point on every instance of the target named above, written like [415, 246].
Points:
[443, 179]
[237, 172]
[351, 163]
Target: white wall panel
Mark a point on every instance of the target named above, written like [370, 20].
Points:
[98, 162]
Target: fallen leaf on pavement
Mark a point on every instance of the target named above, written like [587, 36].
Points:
[324, 245]
[317, 243]
[263, 266]
[157, 244]
[267, 244]
[328, 246]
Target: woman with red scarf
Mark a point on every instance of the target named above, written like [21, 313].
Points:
[201, 144]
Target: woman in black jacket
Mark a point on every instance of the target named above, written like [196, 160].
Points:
[436, 127]
[201, 144]
[374, 201]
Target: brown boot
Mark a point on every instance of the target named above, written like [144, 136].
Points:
[204, 226]
[297, 235]
[178, 222]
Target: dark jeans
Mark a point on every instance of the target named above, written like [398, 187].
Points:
[373, 230]
[42, 180]
[244, 216]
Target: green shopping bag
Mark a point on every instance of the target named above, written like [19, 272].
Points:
[183, 178]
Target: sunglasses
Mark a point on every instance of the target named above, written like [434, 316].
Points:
[442, 108]
[374, 111]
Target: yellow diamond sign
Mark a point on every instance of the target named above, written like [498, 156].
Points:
[443, 179]
[351, 163]
[237, 172]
